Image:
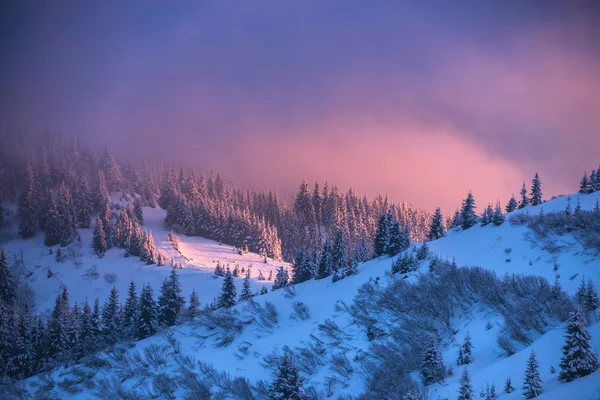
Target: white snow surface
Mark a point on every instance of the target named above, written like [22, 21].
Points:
[198, 257]
[479, 246]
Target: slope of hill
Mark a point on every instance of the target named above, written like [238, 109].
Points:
[86, 275]
[312, 321]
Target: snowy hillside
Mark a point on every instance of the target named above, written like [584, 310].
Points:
[86, 275]
[313, 322]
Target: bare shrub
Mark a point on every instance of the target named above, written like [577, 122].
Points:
[300, 311]
[310, 356]
[340, 365]
[506, 344]
[113, 389]
[265, 317]
[110, 278]
[164, 386]
[224, 323]
[91, 273]
[289, 291]
[155, 355]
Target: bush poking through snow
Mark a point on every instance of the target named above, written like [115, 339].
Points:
[265, 317]
[110, 278]
[300, 311]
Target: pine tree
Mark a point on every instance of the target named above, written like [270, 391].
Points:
[465, 392]
[398, 239]
[111, 317]
[585, 185]
[300, 268]
[436, 229]
[138, 211]
[146, 320]
[579, 359]
[66, 215]
[568, 209]
[99, 240]
[432, 368]
[246, 289]
[532, 385]
[324, 269]
[107, 225]
[170, 301]
[591, 297]
[281, 280]
[382, 235]
[536, 191]
[488, 215]
[498, 217]
[59, 327]
[130, 310]
[27, 211]
[288, 385]
[524, 199]
[52, 228]
[7, 289]
[193, 304]
[512, 205]
[83, 203]
[466, 351]
[508, 387]
[467, 213]
[228, 292]
[593, 181]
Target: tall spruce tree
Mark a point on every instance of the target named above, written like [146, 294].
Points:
[512, 205]
[436, 229]
[130, 310]
[7, 288]
[578, 359]
[498, 217]
[288, 385]
[585, 186]
[228, 292]
[28, 207]
[382, 234]
[193, 304]
[432, 368]
[281, 279]
[532, 384]
[524, 198]
[301, 270]
[146, 320]
[246, 288]
[83, 203]
[467, 213]
[536, 190]
[111, 318]
[52, 228]
[170, 301]
[99, 240]
[66, 215]
[465, 392]
[324, 269]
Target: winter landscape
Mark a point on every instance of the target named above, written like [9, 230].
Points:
[281, 201]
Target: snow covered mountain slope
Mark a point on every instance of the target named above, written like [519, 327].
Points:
[86, 275]
[247, 343]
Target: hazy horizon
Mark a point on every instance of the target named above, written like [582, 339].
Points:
[422, 102]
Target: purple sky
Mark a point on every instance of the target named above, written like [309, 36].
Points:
[419, 100]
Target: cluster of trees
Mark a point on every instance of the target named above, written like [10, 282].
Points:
[590, 183]
[126, 234]
[466, 217]
[30, 344]
[578, 360]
